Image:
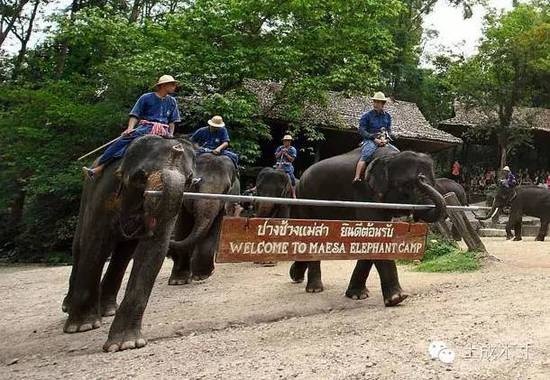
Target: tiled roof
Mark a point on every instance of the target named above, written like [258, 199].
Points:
[538, 118]
[343, 112]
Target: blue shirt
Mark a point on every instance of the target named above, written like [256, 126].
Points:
[151, 107]
[210, 138]
[292, 152]
[372, 122]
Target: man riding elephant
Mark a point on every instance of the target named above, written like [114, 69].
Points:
[128, 212]
[375, 129]
[392, 177]
[154, 113]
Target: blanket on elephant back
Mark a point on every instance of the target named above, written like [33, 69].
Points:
[226, 152]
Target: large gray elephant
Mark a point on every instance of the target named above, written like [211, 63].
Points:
[523, 200]
[404, 177]
[118, 218]
[198, 226]
[446, 185]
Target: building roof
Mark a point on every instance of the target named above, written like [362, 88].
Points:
[343, 112]
[538, 118]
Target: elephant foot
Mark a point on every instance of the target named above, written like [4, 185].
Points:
[182, 278]
[201, 277]
[508, 237]
[126, 340]
[357, 294]
[539, 238]
[76, 325]
[108, 308]
[315, 286]
[297, 274]
[394, 296]
[517, 238]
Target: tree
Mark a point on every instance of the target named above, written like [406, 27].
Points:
[513, 53]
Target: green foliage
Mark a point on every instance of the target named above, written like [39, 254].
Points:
[513, 58]
[445, 256]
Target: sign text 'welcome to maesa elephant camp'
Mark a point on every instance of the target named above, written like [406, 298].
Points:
[261, 239]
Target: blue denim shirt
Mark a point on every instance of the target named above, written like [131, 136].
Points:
[283, 160]
[210, 138]
[151, 107]
[372, 122]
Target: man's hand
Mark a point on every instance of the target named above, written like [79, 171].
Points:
[216, 152]
[127, 131]
[379, 142]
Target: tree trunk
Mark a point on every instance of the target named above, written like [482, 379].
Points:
[24, 41]
[17, 11]
[64, 49]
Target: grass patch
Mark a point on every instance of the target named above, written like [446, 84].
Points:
[445, 256]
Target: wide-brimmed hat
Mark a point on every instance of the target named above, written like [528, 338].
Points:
[506, 168]
[380, 97]
[216, 122]
[287, 137]
[165, 79]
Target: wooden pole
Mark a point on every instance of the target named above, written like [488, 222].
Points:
[97, 149]
[463, 225]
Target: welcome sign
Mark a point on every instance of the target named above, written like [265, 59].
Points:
[261, 239]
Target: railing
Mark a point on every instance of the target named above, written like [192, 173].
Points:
[315, 202]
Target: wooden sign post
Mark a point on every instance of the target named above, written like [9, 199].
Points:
[261, 239]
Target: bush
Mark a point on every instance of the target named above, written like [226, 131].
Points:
[445, 256]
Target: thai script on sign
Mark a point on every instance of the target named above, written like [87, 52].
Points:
[287, 229]
[368, 230]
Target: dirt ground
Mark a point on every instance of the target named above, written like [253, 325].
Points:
[250, 322]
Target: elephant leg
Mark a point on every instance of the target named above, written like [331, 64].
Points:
[517, 230]
[508, 228]
[114, 275]
[202, 264]
[84, 306]
[76, 257]
[543, 229]
[314, 283]
[125, 332]
[298, 271]
[357, 288]
[389, 279]
[181, 270]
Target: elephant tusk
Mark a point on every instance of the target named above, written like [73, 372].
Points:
[153, 193]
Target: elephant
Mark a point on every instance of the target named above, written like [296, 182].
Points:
[276, 184]
[446, 185]
[523, 200]
[395, 177]
[199, 221]
[273, 183]
[118, 217]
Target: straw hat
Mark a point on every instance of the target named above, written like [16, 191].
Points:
[287, 137]
[506, 168]
[379, 96]
[165, 79]
[216, 122]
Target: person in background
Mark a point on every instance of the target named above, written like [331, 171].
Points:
[285, 155]
[455, 171]
[509, 178]
[214, 139]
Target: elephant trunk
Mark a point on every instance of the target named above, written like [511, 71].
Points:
[202, 224]
[434, 214]
[264, 209]
[490, 214]
[166, 202]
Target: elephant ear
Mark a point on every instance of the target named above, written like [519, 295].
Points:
[377, 177]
